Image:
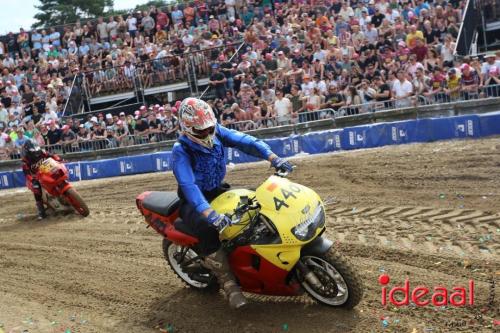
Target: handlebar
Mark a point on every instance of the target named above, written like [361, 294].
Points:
[284, 173]
[246, 205]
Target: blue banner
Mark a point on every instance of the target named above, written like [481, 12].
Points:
[131, 165]
[489, 123]
[6, 180]
[162, 161]
[236, 156]
[18, 178]
[285, 147]
[321, 142]
[100, 169]
[402, 132]
[355, 138]
[74, 171]
[366, 136]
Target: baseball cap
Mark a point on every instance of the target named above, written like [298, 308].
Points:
[122, 113]
[109, 116]
[464, 67]
[93, 119]
[65, 127]
[81, 126]
[214, 66]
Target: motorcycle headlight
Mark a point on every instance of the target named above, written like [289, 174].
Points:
[306, 229]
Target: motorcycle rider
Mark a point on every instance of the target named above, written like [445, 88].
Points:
[199, 166]
[32, 155]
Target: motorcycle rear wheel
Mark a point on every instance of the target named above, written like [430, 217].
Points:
[341, 285]
[77, 202]
[171, 251]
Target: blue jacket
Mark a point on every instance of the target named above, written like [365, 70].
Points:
[199, 169]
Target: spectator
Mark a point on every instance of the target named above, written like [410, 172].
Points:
[469, 82]
[402, 89]
[218, 81]
[243, 119]
[283, 109]
[54, 134]
[289, 47]
[68, 138]
[492, 83]
[353, 101]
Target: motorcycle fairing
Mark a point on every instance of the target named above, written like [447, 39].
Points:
[53, 177]
[258, 275]
[226, 203]
[286, 204]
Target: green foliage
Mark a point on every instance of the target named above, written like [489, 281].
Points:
[57, 12]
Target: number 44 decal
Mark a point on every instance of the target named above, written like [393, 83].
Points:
[278, 203]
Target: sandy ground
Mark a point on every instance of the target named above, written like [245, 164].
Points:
[429, 212]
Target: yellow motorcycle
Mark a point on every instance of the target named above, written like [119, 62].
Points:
[275, 243]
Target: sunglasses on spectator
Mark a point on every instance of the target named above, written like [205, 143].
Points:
[201, 134]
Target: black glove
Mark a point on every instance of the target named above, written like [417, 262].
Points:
[281, 164]
[218, 221]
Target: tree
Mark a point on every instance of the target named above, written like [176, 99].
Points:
[58, 12]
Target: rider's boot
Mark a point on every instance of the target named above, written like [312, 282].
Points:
[41, 210]
[217, 262]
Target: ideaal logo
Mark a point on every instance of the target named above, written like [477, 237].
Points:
[423, 296]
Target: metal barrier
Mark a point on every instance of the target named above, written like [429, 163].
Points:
[108, 143]
[490, 91]
[170, 69]
[372, 106]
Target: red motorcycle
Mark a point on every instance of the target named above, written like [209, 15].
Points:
[56, 190]
[276, 243]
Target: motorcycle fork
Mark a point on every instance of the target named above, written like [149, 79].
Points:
[308, 275]
[182, 255]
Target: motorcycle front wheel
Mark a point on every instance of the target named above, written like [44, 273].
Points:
[77, 202]
[340, 284]
[185, 263]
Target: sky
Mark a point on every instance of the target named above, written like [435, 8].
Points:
[17, 14]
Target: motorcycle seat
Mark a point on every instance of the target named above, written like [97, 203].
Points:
[161, 203]
[183, 227]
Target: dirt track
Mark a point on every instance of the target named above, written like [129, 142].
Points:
[429, 212]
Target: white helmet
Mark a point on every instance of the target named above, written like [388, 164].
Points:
[197, 121]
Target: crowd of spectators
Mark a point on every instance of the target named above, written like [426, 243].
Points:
[300, 60]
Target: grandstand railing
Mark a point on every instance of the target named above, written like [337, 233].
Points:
[143, 75]
[492, 91]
